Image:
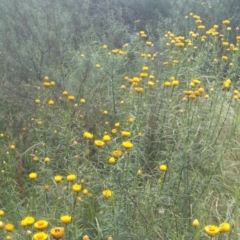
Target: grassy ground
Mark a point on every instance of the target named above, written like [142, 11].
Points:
[140, 142]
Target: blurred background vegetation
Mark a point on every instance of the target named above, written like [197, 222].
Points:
[38, 38]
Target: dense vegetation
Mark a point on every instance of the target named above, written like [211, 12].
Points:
[119, 119]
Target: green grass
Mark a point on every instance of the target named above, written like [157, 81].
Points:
[189, 126]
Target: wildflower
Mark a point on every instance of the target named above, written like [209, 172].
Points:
[105, 112]
[163, 167]
[8, 237]
[226, 22]
[175, 83]
[88, 135]
[1, 213]
[58, 178]
[66, 219]
[131, 119]
[195, 223]
[211, 230]
[47, 84]
[98, 65]
[126, 134]
[151, 83]
[107, 193]
[33, 176]
[57, 232]
[117, 153]
[82, 100]
[51, 102]
[127, 145]
[29, 220]
[46, 78]
[40, 236]
[46, 159]
[145, 68]
[115, 51]
[224, 58]
[106, 138]
[41, 225]
[114, 131]
[112, 160]
[138, 89]
[71, 98]
[117, 124]
[35, 158]
[76, 187]
[12, 147]
[224, 227]
[64, 93]
[201, 27]
[85, 191]
[99, 143]
[167, 84]
[9, 227]
[143, 75]
[2, 224]
[139, 172]
[37, 101]
[104, 46]
[71, 177]
[85, 237]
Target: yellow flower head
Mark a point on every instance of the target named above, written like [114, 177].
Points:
[163, 167]
[71, 98]
[112, 160]
[41, 225]
[195, 223]
[76, 187]
[9, 227]
[58, 178]
[88, 135]
[33, 176]
[224, 227]
[28, 221]
[117, 153]
[71, 177]
[126, 134]
[1, 213]
[57, 232]
[107, 193]
[99, 143]
[66, 219]
[40, 236]
[12, 147]
[51, 102]
[106, 138]
[127, 145]
[211, 230]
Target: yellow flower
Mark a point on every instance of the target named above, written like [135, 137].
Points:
[58, 178]
[64, 93]
[105, 112]
[2, 224]
[57, 232]
[41, 225]
[195, 223]
[131, 119]
[88, 135]
[51, 102]
[211, 230]
[9, 227]
[163, 167]
[1, 213]
[111, 160]
[46, 78]
[107, 193]
[127, 145]
[35, 158]
[117, 124]
[82, 100]
[114, 131]
[28, 221]
[117, 153]
[99, 143]
[66, 219]
[33, 176]
[37, 101]
[47, 84]
[40, 236]
[71, 98]
[167, 84]
[71, 177]
[85, 191]
[85, 237]
[104, 46]
[46, 159]
[224, 227]
[76, 187]
[151, 83]
[226, 22]
[126, 134]
[224, 58]
[138, 89]
[106, 138]
[98, 65]
[12, 147]
[145, 68]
